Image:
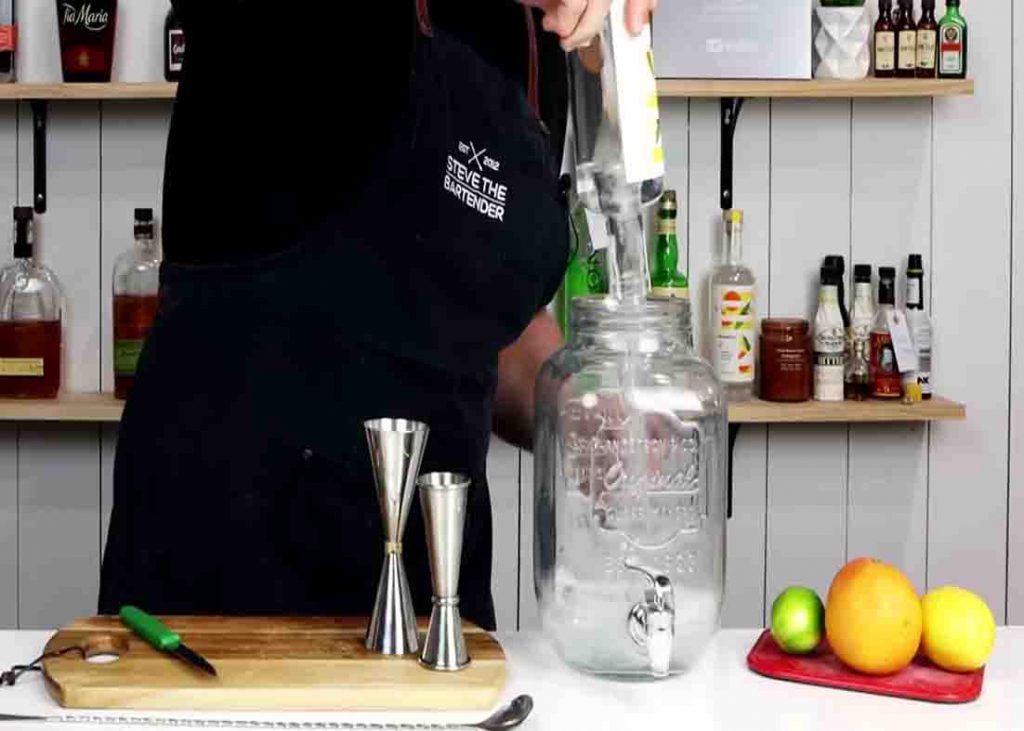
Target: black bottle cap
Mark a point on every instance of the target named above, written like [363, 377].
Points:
[836, 262]
[23, 217]
[887, 273]
[144, 215]
[862, 273]
[915, 263]
[829, 275]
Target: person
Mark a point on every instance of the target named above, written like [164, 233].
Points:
[362, 218]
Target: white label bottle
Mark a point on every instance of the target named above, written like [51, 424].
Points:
[733, 315]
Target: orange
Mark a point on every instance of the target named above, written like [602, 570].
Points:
[873, 617]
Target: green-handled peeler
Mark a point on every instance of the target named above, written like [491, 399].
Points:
[153, 631]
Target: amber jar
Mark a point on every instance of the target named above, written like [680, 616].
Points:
[786, 360]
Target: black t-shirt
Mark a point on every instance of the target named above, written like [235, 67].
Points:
[284, 107]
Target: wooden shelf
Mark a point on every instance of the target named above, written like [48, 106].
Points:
[814, 89]
[94, 92]
[104, 408]
[747, 88]
[846, 412]
[92, 408]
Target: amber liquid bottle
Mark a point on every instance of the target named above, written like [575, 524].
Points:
[136, 301]
[927, 41]
[31, 312]
[885, 42]
[906, 41]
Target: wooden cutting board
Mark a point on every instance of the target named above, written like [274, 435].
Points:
[312, 664]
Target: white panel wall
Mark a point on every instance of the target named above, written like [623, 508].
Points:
[873, 180]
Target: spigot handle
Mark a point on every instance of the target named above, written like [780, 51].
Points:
[651, 622]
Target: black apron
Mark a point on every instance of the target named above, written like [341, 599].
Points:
[242, 482]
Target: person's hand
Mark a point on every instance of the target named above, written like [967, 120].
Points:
[577, 22]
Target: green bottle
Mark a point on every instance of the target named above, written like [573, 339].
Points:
[585, 276]
[666, 279]
[953, 43]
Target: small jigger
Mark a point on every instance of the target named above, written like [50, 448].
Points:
[396, 449]
[443, 497]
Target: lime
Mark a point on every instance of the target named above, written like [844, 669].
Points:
[798, 620]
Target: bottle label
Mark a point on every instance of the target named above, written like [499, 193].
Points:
[927, 42]
[734, 312]
[902, 343]
[829, 377]
[913, 292]
[666, 227]
[885, 51]
[8, 38]
[637, 95]
[175, 50]
[21, 367]
[126, 356]
[668, 293]
[885, 376]
[908, 50]
[952, 58]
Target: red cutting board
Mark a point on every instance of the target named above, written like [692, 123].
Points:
[921, 681]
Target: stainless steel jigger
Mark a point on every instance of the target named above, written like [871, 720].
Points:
[396, 448]
[443, 497]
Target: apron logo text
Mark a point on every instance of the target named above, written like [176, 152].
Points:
[472, 187]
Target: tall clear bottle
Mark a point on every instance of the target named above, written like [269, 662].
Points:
[920, 324]
[31, 320]
[620, 162]
[136, 300]
[858, 364]
[733, 317]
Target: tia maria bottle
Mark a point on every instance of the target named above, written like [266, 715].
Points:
[86, 39]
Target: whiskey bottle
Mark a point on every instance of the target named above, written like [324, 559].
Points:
[885, 42]
[927, 41]
[906, 41]
[136, 300]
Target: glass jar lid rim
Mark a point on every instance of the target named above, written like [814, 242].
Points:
[785, 324]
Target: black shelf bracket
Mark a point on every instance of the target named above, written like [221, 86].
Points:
[734, 432]
[40, 120]
[730, 117]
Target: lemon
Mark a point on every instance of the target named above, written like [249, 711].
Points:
[798, 620]
[959, 629]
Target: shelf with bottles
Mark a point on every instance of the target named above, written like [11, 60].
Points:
[846, 412]
[814, 88]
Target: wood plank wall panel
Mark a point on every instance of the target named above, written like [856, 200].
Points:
[891, 218]
[807, 466]
[968, 463]
[1015, 511]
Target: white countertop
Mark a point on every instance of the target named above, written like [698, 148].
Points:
[719, 694]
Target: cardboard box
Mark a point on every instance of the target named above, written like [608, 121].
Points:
[733, 39]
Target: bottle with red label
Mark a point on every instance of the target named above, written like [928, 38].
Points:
[885, 373]
[8, 41]
[953, 43]
[174, 46]
[86, 39]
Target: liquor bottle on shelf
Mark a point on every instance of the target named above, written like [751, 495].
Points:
[8, 41]
[87, 39]
[858, 364]
[885, 41]
[136, 300]
[927, 41]
[920, 324]
[885, 374]
[829, 340]
[31, 321]
[586, 274]
[174, 46]
[838, 264]
[666, 279]
[906, 40]
[733, 317]
[953, 43]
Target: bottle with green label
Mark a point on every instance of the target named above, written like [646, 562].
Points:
[136, 300]
[953, 43]
[666, 279]
[586, 274]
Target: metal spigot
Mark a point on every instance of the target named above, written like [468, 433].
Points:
[652, 622]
